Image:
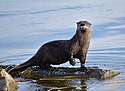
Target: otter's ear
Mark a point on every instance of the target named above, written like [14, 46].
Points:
[77, 23]
[89, 23]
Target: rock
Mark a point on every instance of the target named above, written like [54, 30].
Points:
[92, 72]
[109, 74]
[7, 83]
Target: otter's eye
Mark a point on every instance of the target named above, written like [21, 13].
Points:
[82, 24]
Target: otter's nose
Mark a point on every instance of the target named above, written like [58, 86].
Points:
[83, 26]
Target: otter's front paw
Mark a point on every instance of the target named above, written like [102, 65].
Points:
[72, 62]
[83, 68]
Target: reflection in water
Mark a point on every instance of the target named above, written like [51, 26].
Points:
[60, 84]
[79, 84]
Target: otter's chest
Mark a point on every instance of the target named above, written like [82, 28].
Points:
[75, 48]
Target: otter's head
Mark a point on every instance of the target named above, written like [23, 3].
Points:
[83, 26]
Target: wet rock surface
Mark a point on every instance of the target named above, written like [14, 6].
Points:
[36, 72]
[92, 72]
[7, 83]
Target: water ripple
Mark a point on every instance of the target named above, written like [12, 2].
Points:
[26, 12]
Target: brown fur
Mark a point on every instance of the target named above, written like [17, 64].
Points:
[61, 51]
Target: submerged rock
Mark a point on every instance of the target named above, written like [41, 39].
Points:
[7, 83]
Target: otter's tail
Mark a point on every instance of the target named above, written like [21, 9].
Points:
[24, 66]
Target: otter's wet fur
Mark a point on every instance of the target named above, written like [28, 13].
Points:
[61, 51]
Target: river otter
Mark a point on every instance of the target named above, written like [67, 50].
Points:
[61, 51]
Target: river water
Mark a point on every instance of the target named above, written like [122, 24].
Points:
[27, 24]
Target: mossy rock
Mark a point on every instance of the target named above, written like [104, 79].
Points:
[36, 72]
[92, 72]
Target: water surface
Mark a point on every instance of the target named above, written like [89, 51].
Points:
[27, 24]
